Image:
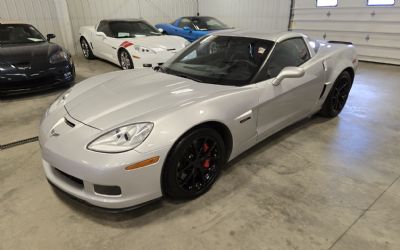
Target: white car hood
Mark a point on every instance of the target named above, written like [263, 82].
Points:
[154, 42]
[115, 99]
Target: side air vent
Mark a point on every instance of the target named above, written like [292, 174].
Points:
[323, 92]
[341, 42]
[72, 125]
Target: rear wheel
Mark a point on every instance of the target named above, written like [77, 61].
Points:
[338, 96]
[125, 60]
[87, 51]
[194, 164]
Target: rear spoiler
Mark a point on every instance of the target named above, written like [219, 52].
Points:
[341, 42]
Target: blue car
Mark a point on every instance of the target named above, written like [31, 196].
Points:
[192, 27]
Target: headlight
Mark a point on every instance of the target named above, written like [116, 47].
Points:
[142, 49]
[122, 139]
[5, 66]
[60, 56]
[60, 101]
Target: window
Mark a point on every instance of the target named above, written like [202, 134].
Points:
[327, 3]
[103, 27]
[380, 2]
[290, 53]
[186, 22]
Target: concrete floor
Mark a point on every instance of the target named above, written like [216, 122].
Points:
[321, 184]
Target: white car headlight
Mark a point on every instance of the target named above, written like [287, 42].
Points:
[60, 56]
[122, 139]
[142, 49]
[59, 102]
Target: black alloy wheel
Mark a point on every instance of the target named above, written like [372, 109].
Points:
[194, 164]
[338, 96]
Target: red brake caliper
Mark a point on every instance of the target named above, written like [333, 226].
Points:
[206, 163]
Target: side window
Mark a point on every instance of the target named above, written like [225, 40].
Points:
[186, 22]
[290, 53]
[104, 27]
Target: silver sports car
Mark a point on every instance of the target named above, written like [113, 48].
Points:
[125, 138]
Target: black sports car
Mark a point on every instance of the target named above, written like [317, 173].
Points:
[29, 62]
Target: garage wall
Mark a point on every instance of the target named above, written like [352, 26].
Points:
[40, 13]
[265, 15]
[89, 12]
[375, 30]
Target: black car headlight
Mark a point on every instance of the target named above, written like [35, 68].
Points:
[60, 56]
[5, 66]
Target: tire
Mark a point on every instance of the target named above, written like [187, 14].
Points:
[125, 60]
[187, 174]
[338, 96]
[86, 50]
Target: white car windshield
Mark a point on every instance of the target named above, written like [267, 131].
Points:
[129, 29]
[225, 60]
[19, 33]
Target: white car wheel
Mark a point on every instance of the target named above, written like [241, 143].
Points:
[125, 60]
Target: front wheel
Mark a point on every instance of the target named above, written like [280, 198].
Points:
[86, 50]
[338, 95]
[125, 60]
[194, 164]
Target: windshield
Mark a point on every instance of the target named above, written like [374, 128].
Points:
[208, 23]
[19, 33]
[124, 29]
[221, 60]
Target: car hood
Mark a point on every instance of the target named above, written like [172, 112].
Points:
[163, 42]
[131, 96]
[27, 53]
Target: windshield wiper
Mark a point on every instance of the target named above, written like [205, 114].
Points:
[189, 77]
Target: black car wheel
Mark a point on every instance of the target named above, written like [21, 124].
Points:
[87, 51]
[338, 95]
[125, 60]
[194, 164]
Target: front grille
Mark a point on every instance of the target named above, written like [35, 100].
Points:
[29, 83]
[70, 177]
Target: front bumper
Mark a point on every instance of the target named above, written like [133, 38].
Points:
[15, 83]
[75, 170]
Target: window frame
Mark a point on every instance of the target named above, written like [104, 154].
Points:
[384, 5]
[327, 6]
[259, 76]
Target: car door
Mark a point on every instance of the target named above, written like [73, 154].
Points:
[294, 98]
[102, 42]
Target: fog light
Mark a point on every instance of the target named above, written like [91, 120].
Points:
[107, 190]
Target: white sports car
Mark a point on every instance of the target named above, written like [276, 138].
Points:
[129, 43]
[127, 137]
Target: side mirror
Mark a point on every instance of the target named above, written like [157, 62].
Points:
[50, 36]
[288, 72]
[161, 30]
[99, 33]
[187, 28]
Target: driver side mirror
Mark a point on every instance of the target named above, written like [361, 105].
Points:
[99, 33]
[187, 28]
[288, 72]
[50, 36]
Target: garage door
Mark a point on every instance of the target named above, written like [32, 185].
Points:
[372, 25]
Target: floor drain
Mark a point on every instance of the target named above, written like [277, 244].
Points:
[18, 143]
